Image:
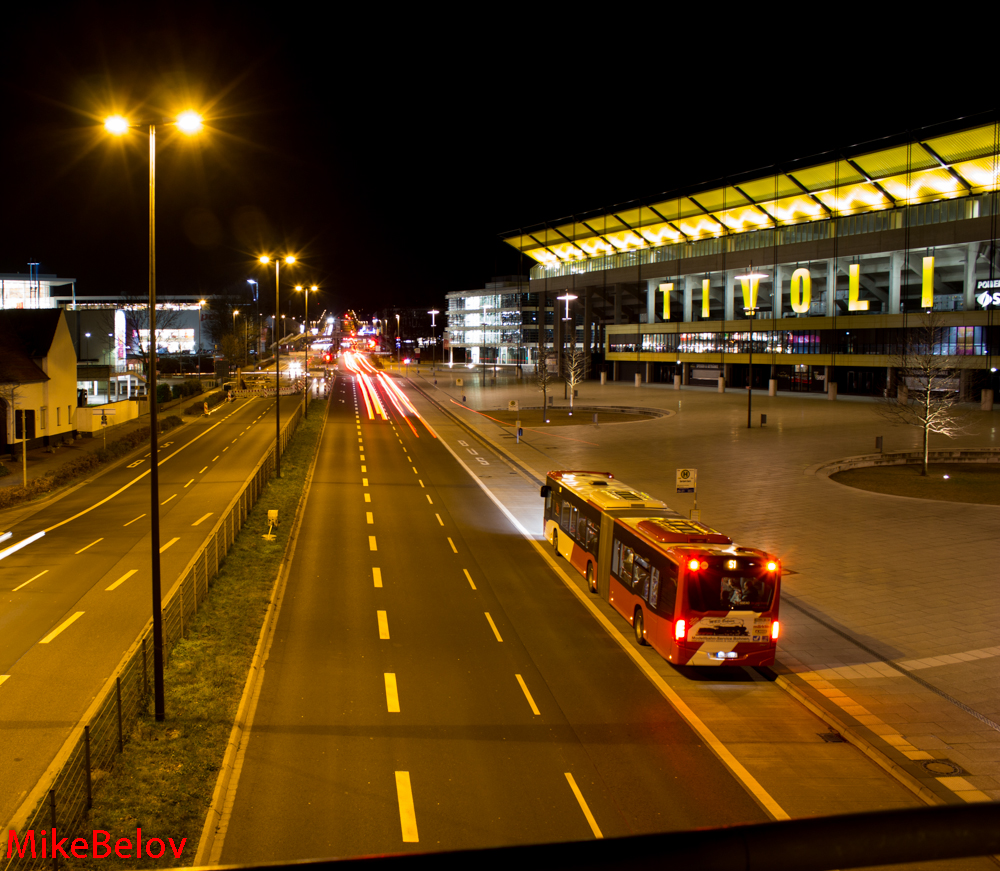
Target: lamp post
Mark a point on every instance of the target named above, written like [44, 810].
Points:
[190, 123]
[257, 321]
[305, 362]
[277, 358]
[399, 345]
[433, 313]
[201, 303]
[749, 282]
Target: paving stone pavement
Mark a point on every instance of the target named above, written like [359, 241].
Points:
[890, 613]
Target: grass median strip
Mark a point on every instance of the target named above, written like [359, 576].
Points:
[163, 781]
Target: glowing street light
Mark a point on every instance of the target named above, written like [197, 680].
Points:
[305, 368]
[117, 125]
[265, 259]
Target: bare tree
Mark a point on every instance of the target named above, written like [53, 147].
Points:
[136, 309]
[928, 395]
[575, 370]
[544, 377]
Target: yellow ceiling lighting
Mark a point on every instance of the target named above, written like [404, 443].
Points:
[907, 173]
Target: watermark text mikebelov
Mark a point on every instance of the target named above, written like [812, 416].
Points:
[48, 845]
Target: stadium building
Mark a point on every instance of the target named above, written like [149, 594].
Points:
[818, 273]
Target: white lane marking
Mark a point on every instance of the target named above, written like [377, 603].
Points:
[391, 693]
[407, 813]
[203, 518]
[82, 549]
[493, 626]
[469, 578]
[3, 677]
[364, 469]
[214, 458]
[527, 695]
[165, 501]
[172, 541]
[189, 483]
[414, 469]
[364, 482]
[203, 470]
[6, 552]
[134, 519]
[371, 543]
[362, 458]
[377, 574]
[583, 806]
[441, 523]
[65, 624]
[428, 495]
[35, 578]
[121, 580]
[369, 517]
[383, 625]
[453, 548]
[421, 483]
[368, 497]
[751, 784]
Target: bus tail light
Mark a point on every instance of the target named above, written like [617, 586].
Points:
[775, 629]
[680, 630]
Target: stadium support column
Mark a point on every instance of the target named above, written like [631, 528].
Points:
[729, 293]
[688, 298]
[588, 336]
[895, 280]
[831, 288]
[969, 291]
[652, 285]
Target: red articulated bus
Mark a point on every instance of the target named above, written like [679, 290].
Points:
[688, 591]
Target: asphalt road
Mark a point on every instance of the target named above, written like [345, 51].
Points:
[74, 600]
[432, 685]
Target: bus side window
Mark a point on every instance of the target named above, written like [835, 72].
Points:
[654, 588]
[640, 577]
[628, 558]
[581, 530]
[616, 557]
[555, 509]
[668, 588]
[592, 536]
[567, 511]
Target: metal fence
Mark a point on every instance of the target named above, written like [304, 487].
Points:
[64, 795]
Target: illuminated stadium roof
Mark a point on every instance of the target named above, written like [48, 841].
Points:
[945, 166]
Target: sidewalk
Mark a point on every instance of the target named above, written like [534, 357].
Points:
[890, 618]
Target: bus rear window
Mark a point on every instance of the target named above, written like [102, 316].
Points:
[715, 589]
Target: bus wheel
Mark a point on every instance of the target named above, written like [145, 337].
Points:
[637, 625]
[555, 542]
[591, 579]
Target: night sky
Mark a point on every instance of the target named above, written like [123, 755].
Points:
[388, 147]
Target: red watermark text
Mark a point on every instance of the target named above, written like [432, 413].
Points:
[46, 844]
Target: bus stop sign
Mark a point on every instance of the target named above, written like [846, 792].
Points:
[687, 480]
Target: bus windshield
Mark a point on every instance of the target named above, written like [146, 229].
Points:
[716, 589]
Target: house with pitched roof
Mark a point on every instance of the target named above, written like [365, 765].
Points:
[38, 392]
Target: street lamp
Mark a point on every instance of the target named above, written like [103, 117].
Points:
[256, 300]
[305, 362]
[277, 358]
[235, 339]
[189, 123]
[749, 282]
[399, 344]
[433, 313]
